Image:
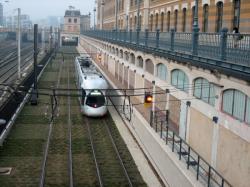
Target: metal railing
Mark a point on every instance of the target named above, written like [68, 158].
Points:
[231, 48]
[203, 171]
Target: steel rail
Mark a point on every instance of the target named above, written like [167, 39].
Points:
[12, 66]
[45, 156]
[70, 135]
[94, 154]
[118, 154]
[6, 62]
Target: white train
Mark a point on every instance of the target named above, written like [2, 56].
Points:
[93, 87]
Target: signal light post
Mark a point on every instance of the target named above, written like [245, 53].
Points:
[34, 95]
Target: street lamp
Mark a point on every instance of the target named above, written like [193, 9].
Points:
[138, 15]
[196, 24]
[94, 17]
[89, 20]
[195, 34]
[101, 14]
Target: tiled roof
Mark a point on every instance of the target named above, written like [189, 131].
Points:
[74, 13]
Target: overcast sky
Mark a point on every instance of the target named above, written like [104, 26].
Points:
[38, 9]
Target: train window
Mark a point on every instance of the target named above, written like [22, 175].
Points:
[83, 96]
[95, 99]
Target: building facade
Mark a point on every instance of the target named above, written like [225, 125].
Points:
[72, 21]
[1, 15]
[179, 15]
[85, 22]
[26, 23]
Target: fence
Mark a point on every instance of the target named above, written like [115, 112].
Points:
[204, 172]
[223, 46]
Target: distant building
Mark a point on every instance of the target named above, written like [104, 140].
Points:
[12, 22]
[85, 22]
[1, 15]
[53, 21]
[72, 21]
[9, 22]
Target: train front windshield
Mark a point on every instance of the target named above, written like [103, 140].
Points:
[95, 99]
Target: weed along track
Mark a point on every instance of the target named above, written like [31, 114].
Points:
[68, 148]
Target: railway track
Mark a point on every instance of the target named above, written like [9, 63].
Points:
[64, 154]
[108, 160]
[48, 148]
[8, 68]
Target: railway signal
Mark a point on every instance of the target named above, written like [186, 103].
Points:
[99, 57]
[148, 98]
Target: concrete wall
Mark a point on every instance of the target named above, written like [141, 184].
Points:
[201, 128]
[233, 158]
[174, 110]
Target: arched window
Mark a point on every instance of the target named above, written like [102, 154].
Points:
[162, 21]
[126, 56]
[184, 15]
[156, 21]
[149, 66]
[205, 18]
[204, 90]
[179, 80]
[175, 19]
[121, 24]
[69, 20]
[131, 2]
[236, 104]
[131, 23]
[132, 58]
[236, 18]
[140, 22]
[168, 21]
[219, 16]
[140, 61]
[121, 53]
[135, 22]
[161, 71]
[151, 22]
[116, 51]
[75, 20]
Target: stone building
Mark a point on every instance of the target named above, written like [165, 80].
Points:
[167, 14]
[1, 15]
[72, 21]
[84, 22]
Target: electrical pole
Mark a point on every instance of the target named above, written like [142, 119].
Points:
[34, 93]
[50, 39]
[19, 44]
[35, 55]
[43, 40]
[94, 17]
